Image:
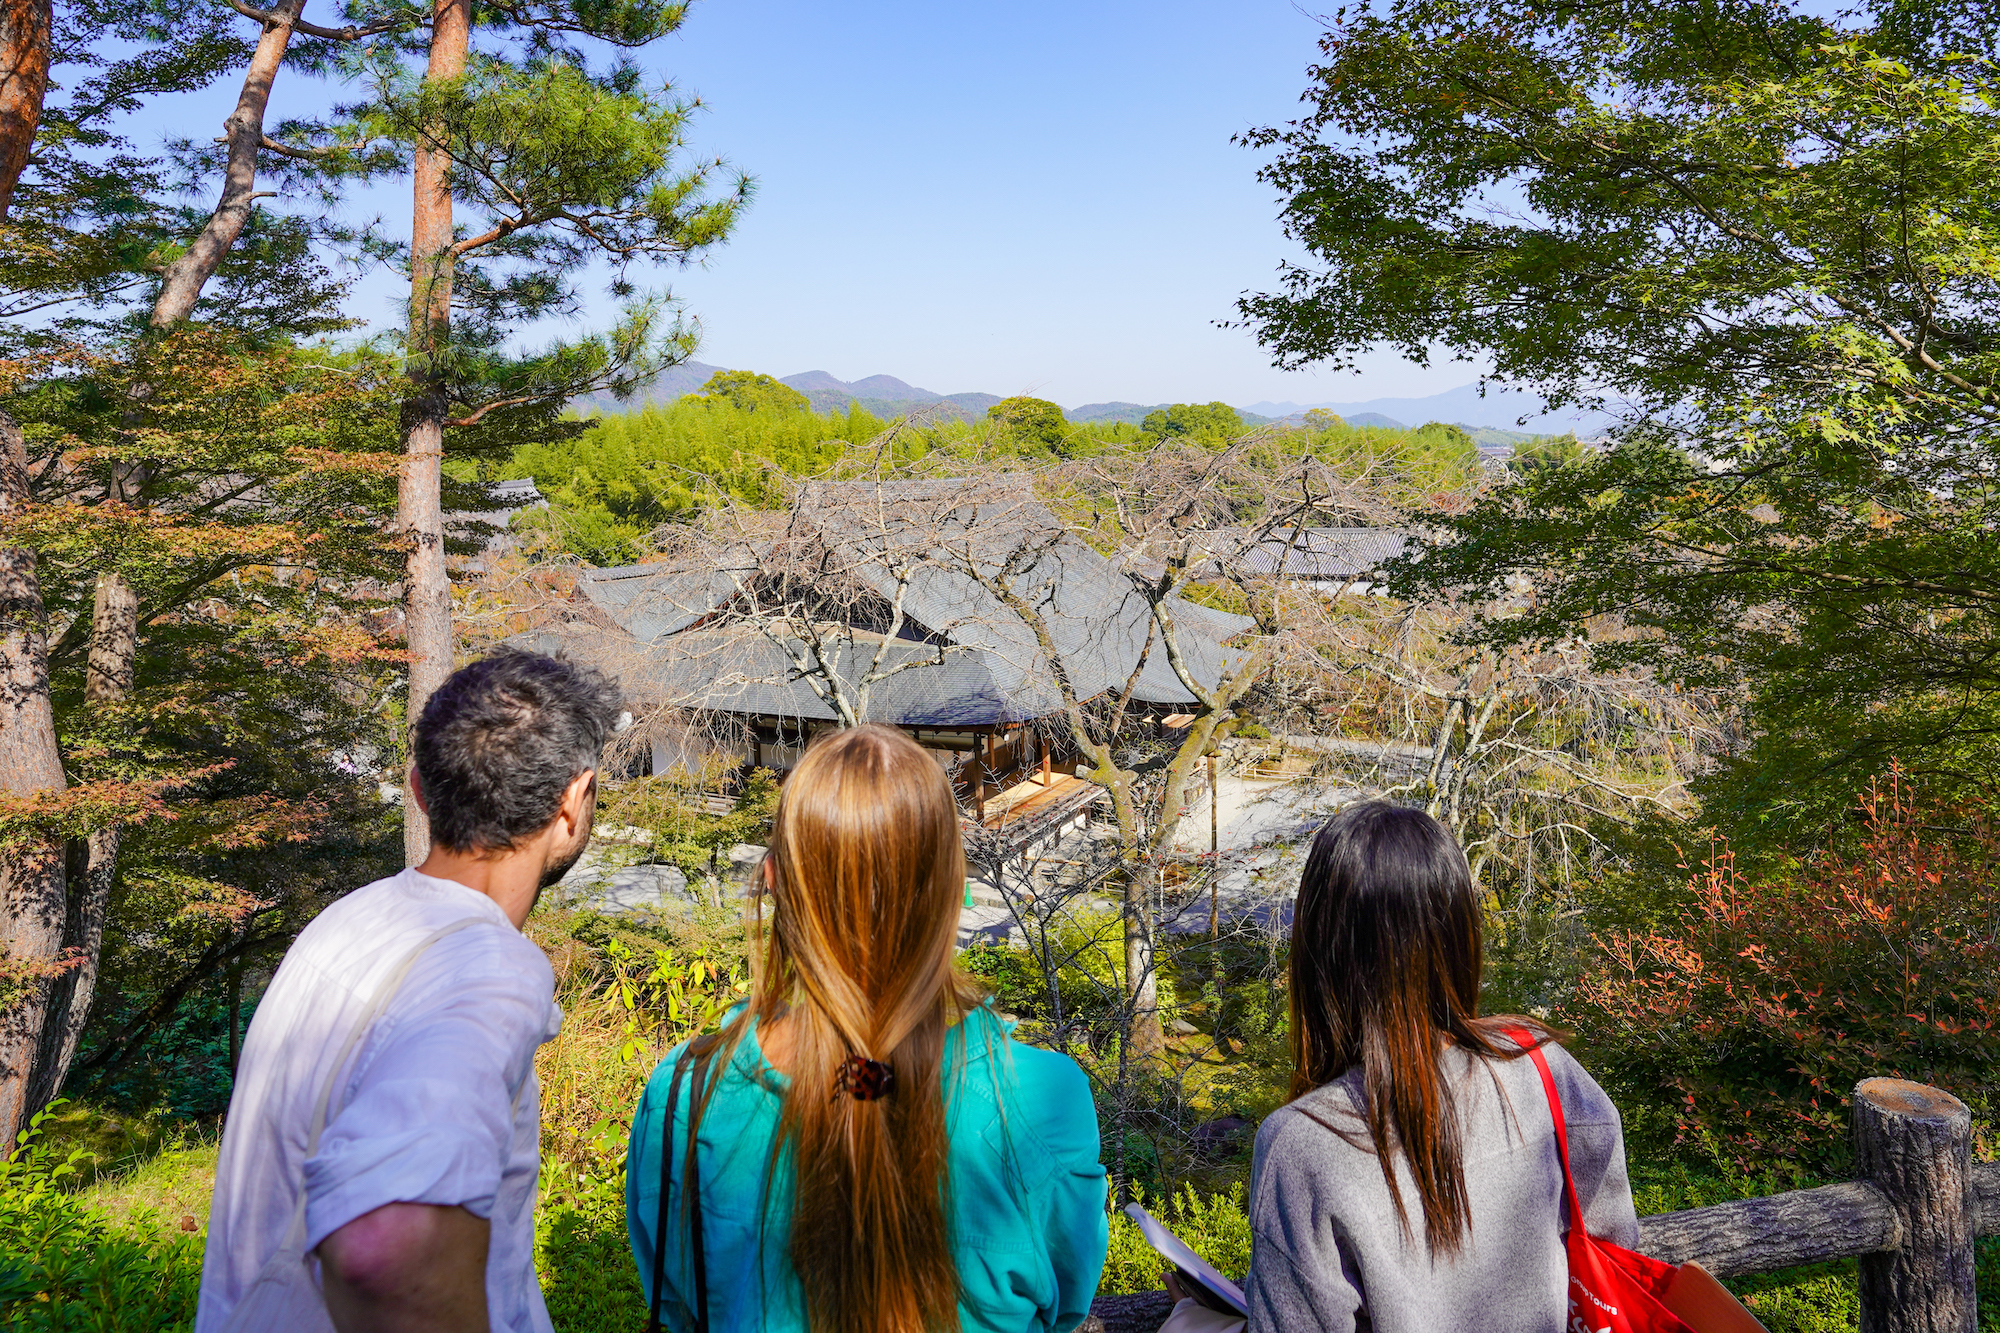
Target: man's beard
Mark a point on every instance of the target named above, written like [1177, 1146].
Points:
[554, 870]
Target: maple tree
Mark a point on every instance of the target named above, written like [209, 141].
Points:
[76, 230]
[242, 500]
[1758, 997]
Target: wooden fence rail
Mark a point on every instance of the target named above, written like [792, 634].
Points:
[1911, 1219]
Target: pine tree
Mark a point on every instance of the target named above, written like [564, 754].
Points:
[561, 167]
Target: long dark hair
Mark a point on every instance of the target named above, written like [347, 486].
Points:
[1386, 947]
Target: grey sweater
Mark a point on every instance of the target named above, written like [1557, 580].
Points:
[1327, 1252]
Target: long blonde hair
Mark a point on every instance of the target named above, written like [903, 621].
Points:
[866, 870]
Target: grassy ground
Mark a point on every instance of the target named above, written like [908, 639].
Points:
[108, 1239]
[112, 1241]
[147, 1207]
[175, 1184]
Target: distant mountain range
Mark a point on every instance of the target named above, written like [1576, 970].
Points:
[1494, 419]
[886, 396]
[669, 384]
[1499, 411]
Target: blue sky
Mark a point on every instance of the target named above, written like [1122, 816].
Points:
[1028, 198]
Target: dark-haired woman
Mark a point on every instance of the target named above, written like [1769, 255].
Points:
[874, 1154]
[1413, 1182]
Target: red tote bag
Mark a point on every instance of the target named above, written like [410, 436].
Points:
[1611, 1289]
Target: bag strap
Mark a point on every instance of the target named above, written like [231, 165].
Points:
[693, 1177]
[695, 1054]
[666, 1182]
[380, 1001]
[1528, 1043]
[384, 993]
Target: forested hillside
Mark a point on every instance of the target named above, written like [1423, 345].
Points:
[622, 476]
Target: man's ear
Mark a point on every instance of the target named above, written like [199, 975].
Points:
[417, 790]
[579, 797]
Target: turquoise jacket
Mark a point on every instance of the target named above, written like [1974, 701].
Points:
[1027, 1194]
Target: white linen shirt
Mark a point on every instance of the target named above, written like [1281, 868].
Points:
[438, 1104]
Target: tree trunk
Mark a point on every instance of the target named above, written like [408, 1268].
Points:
[1147, 1038]
[244, 132]
[33, 904]
[1142, 1034]
[114, 651]
[114, 640]
[419, 510]
[89, 895]
[26, 32]
[235, 1015]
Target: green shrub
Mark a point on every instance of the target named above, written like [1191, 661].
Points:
[584, 1257]
[1089, 948]
[1757, 1006]
[66, 1266]
[1216, 1227]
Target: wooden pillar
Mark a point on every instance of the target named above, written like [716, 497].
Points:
[1046, 779]
[1914, 1143]
[983, 762]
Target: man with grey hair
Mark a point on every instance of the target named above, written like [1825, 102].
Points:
[379, 1160]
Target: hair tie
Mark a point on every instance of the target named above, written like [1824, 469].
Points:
[863, 1079]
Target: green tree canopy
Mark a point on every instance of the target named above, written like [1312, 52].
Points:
[620, 478]
[752, 392]
[1546, 453]
[1767, 234]
[243, 499]
[1202, 421]
[1032, 421]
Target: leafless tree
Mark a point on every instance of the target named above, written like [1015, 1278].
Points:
[1173, 521]
[826, 582]
[1526, 755]
[1097, 585]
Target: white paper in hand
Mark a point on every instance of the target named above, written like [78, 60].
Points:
[1175, 1251]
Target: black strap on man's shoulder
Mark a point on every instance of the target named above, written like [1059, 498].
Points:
[694, 1055]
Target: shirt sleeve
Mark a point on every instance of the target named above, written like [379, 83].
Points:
[1078, 1231]
[430, 1106]
[1284, 1299]
[1288, 1291]
[1597, 1158]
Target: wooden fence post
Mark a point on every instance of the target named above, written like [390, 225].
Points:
[1914, 1143]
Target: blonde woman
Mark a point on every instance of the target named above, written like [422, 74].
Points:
[871, 1153]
